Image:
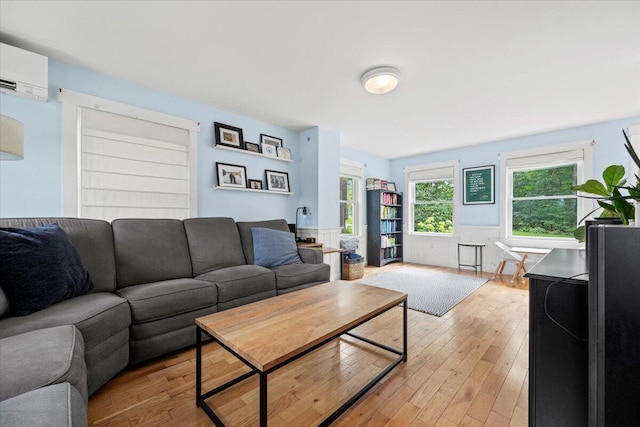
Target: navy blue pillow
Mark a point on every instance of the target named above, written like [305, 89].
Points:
[272, 248]
[40, 267]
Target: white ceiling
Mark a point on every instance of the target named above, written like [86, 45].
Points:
[472, 72]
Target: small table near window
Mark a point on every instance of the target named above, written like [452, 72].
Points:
[477, 249]
[325, 251]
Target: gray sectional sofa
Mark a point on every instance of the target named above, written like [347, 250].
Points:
[151, 279]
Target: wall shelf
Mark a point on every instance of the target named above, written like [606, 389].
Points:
[252, 153]
[252, 189]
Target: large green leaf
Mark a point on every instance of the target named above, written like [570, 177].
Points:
[614, 177]
[592, 187]
[579, 233]
[609, 210]
[631, 151]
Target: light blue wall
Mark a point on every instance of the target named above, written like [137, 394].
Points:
[609, 149]
[375, 167]
[329, 179]
[33, 186]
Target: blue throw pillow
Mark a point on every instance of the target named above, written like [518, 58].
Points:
[272, 248]
[40, 267]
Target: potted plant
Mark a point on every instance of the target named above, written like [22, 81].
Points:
[616, 207]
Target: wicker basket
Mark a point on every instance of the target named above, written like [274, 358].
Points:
[352, 269]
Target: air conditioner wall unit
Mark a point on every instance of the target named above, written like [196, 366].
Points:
[23, 73]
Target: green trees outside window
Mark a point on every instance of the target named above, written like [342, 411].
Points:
[347, 205]
[433, 206]
[543, 203]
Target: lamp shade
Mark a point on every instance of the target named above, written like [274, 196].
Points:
[11, 139]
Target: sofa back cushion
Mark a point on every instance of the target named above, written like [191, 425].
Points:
[92, 239]
[247, 238]
[150, 250]
[214, 243]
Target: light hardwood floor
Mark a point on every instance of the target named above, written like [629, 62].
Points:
[466, 368]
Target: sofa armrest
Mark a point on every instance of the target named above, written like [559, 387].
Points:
[311, 255]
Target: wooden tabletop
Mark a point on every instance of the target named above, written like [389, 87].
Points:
[268, 332]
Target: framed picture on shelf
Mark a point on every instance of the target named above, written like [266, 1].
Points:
[228, 135]
[234, 176]
[284, 153]
[479, 185]
[266, 139]
[255, 184]
[269, 150]
[250, 146]
[391, 186]
[277, 181]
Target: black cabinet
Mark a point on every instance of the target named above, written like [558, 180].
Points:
[614, 326]
[558, 340]
[384, 227]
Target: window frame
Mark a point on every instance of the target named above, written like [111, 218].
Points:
[410, 190]
[72, 105]
[354, 170]
[583, 172]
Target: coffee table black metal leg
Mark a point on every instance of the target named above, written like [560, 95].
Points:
[263, 400]
[198, 366]
[404, 331]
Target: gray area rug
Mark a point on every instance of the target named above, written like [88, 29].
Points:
[432, 292]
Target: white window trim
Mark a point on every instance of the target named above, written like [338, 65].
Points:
[585, 171]
[409, 191]
[72, 102]
[352, 168]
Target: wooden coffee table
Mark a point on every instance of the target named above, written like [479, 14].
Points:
[268, 334]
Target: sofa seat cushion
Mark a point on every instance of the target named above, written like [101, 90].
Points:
[40, 358]
[40, 267]
[292, 275]
[240, 281]
[98, 316]
[59, 405]
[158, 300]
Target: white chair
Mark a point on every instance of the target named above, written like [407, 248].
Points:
[507, 255]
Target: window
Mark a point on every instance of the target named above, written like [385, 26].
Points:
[539, 202]
[347, 205]
[432, 191]
[351, 177]
[123, 161]
[542, 202]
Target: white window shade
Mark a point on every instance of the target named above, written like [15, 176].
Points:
[546, 159]
[431, 174]
[132, 168]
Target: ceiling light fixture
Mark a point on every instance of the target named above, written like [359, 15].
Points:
[380, 80]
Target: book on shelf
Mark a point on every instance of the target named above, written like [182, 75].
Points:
[389, 226]
[388, 212]
[376, 184]
[389, 252]
[389, 199]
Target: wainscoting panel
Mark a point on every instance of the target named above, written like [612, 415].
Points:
[443, 250]
[330, 238]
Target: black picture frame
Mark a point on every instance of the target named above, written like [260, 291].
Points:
[272, 140]
[232, 176]
[391, 186]
[277, 181]
[250, 146]
[255, 184]
[229, 136]
[478, 185]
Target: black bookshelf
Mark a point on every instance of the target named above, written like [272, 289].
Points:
[384, 227]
